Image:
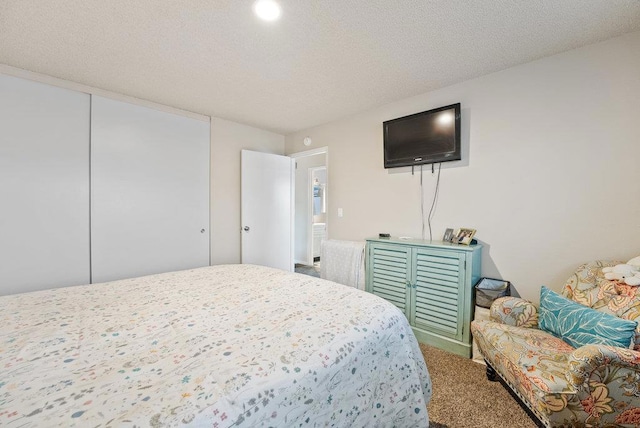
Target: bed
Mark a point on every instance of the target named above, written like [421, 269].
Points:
[221, 346]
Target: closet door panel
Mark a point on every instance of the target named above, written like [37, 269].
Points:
[150, 191]
[44, 186]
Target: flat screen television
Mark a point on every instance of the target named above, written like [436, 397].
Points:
[431, 136]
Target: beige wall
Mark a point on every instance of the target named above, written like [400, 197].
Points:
[227, 140]
[551, 174]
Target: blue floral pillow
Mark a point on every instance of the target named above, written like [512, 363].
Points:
[580, 325]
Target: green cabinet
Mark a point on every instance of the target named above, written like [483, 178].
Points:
[431, 283]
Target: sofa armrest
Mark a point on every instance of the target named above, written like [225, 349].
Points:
[607, 382]
[603, 364]
[514, 311]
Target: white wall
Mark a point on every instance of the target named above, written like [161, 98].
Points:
[551, 174]
[227, 140]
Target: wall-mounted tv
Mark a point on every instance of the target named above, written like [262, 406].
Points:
[431, 136]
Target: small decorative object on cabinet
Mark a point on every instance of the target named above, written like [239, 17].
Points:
[464, 236]
[448, 235]
[432, 283]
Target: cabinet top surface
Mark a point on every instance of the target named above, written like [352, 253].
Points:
[426, 243]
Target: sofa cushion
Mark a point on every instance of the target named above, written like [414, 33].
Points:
[580, 325]
[534, 362]
[589, 287]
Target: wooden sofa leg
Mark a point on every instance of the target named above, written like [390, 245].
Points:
[491, 373]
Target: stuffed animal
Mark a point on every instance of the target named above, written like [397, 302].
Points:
[634, 262]
[629, 273]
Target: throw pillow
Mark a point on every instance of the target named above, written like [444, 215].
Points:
[580, 325]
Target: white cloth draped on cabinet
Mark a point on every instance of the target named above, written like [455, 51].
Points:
[343, 262]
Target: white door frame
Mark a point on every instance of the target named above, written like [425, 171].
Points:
[310, 242]
[303, 154]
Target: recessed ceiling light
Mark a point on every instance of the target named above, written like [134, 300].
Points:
[268, 10]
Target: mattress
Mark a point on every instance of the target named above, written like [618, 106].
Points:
[221, 346]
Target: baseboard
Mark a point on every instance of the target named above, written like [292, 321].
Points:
[444, 343]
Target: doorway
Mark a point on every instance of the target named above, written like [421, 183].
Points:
[311, 207]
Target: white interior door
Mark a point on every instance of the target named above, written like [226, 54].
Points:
[267, 209]
[44, 186]
[149, 191]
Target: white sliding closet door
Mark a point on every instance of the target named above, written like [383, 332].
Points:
[149, 191]
[44, 186]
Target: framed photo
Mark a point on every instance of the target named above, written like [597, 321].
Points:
[448, 235]
[464, 236]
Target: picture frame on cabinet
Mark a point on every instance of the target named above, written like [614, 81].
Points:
[464, 236]
[448, 235]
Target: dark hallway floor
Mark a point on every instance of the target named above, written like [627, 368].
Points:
[309, 270]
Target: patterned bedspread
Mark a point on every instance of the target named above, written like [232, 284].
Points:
[221, 346]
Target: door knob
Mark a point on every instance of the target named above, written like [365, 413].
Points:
[247, 228]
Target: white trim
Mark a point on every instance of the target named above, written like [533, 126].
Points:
[311, 152]
[310, 255]
[302, 154]
[292, 218]
[309, 222]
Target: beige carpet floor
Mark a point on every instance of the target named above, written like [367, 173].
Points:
[464, 398]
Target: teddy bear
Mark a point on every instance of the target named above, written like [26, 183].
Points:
[629, 272]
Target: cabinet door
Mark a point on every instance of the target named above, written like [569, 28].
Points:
[149, 191]
[388, 274]
[439, 292]
[44, 186]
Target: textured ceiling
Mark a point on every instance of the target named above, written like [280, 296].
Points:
[321, 61]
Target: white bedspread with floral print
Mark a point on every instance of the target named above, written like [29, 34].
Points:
[221, 346]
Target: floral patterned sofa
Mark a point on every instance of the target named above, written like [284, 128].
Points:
[563, 386]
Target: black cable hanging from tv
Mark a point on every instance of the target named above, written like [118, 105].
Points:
[433, 204]
[421, 201]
